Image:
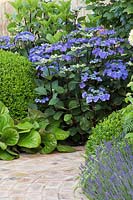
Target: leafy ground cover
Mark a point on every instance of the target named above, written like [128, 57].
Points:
[32, 134]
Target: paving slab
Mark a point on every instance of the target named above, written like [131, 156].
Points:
[42, 177]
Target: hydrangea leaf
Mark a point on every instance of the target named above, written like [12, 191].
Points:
[41, 91]
[67, 117]
[58, 115]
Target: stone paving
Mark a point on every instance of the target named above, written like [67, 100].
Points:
[41, 177]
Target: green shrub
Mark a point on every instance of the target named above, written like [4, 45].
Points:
[115, 126]
[127, 124]
[117, 14]
[16, 83]
[105, 130]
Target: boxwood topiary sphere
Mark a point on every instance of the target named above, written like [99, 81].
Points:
[106, 130]
[16, 83]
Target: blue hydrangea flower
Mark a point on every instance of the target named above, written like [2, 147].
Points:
[116, 69]
[25, 37]
[98, 52]
[67, 57]
[42, 101]
[82, 85]
[94, 95]
[5, 43]
[95, 76]
[84, 77]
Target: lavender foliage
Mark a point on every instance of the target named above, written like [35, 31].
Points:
[109, 175]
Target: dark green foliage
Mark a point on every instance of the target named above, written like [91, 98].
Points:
[117, 14]
[16, 83]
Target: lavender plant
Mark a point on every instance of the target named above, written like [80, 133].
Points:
[81, 78]
[109, 174]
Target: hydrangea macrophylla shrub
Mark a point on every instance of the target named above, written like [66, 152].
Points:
[81, 79]
[108, 174]
[16, 83]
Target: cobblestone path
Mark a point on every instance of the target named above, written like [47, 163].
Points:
[41, 177]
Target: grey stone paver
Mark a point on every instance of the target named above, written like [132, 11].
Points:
[41, 177]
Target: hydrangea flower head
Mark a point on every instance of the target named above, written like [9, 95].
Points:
[25, 36]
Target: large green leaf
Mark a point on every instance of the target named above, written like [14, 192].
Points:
[3, 108]
[5, 121]
[49, 112]
[50, 143]
[65, 148]
[44, 123]
[30, 140]
[3, 146]
[35, 114]
[73, 104]
[4, 155]
[54, 100]
[84, 124]
[25, 126]
[60, 134]
[57, 88]
[10, 136]
[11, 152]
[50, 38]
[41, 91]
[67, 117]
[58, 115]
